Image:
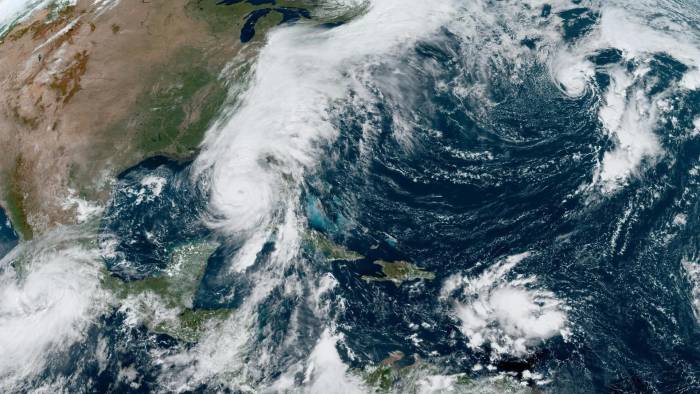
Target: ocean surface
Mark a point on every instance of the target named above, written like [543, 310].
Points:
[533, 165]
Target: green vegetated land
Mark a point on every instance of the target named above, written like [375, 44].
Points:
[220, 18]
[15, 197]
[183, 100]
[399, 272]
[328, 249]
[229, 19]
[174, 290]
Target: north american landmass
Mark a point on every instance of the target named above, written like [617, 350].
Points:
[88, 90]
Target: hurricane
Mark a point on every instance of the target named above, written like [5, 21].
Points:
[402, 196]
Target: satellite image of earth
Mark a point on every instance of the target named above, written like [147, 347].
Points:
[350, 196]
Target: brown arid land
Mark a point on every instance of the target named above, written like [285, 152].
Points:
[88, 92]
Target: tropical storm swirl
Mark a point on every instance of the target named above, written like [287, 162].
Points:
[351, 196]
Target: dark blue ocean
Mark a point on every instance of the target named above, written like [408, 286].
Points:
[456, 160]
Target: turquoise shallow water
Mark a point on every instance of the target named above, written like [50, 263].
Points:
[537, 174]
